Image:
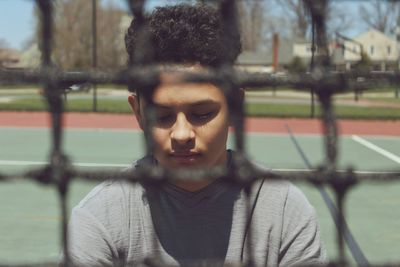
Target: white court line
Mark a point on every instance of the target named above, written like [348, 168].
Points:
[376, 148]
[82, 164]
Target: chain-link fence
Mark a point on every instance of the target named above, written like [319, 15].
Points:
[321, 80]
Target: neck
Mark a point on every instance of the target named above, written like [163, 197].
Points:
[193, 186]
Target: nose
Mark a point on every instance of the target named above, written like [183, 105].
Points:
[182, 131]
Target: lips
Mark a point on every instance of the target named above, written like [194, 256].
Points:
[185, 158]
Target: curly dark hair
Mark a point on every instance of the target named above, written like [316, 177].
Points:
[185, 34]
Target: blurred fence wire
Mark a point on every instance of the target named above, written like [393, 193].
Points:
[321, 80]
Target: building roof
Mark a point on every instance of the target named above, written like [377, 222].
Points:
[374, 32]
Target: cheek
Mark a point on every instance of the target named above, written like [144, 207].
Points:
[161, 137]
[216, 132]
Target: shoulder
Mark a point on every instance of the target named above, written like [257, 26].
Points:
[280, 196]
[282, 191]
[296, 219]
[99, 227]
[108, 192]
[111, 196]
[285, 201]
[114, 196]
[283, 198]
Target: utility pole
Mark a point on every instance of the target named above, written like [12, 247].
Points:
[313, 50]
[94, 50]
[396, 89]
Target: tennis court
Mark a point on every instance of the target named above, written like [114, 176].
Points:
[29, 222]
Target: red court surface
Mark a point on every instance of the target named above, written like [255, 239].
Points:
[261, 125]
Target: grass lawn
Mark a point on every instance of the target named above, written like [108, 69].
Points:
[303, 111]
[384, 99]
[282, 103]
[120, 105]
[78, 105]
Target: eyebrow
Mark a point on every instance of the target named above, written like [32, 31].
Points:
[197, 103]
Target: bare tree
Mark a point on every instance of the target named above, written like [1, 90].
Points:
[337, 18]
[73, 34]
[110, 42]
[380, 15]
[296, 12]
[252, 21]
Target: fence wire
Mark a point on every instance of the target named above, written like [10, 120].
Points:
[321, 80]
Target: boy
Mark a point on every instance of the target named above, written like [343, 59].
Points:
[191, 222]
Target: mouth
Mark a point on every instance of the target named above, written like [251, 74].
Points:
[185, 158]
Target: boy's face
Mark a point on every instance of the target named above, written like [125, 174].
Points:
[192, 124]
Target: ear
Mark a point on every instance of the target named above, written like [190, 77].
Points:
[134, 102]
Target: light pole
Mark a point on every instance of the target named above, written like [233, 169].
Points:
[94, 50]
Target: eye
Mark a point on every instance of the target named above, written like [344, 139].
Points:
[202, 116]
[164, 118]
[163, 115]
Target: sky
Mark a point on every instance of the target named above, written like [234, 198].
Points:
[17, 23]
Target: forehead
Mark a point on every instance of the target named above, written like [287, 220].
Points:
[175, 94]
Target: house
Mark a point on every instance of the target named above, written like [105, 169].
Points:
[303, 49]
[9, 58]
[381, 50]
[254, 61]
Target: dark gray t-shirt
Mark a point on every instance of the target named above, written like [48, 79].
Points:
[124, 222]
[193, 225]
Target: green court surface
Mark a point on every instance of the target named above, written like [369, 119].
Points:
[29, 212]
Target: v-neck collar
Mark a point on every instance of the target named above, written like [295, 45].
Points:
[188, 198]
[193, 199]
